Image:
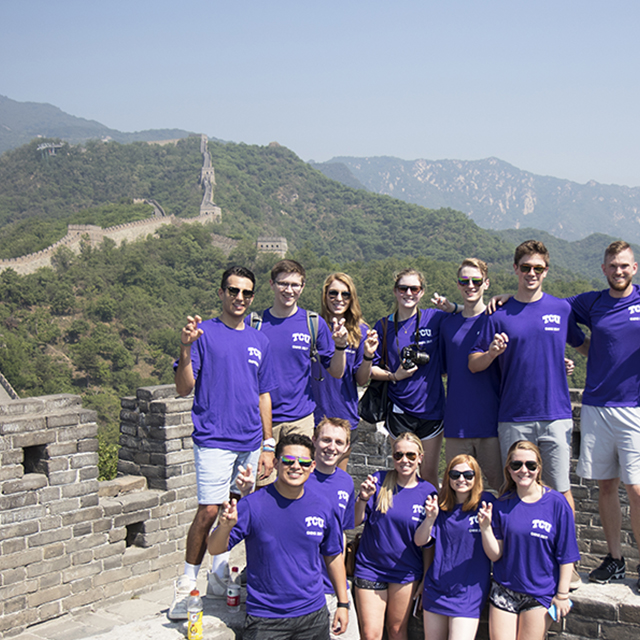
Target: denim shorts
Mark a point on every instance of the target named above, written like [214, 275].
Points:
[217, 470]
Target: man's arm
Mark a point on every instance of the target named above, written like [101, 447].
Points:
[583, 349]
[266, 461]
[338, 577]
[481, 361]
[184, 378]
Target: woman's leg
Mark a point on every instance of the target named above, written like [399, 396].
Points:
[371, 606]
[400, 601]
[431, 459]
[436, 627]
[533, 624]
[462, 628]
[503, 625]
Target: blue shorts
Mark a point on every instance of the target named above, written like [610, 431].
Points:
[217, 470]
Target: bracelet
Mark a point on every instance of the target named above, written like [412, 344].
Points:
[268, 448]
[344, 605]
[392, 377]
[565, 598]
[366, 358]
[360, 499]
[341, 348]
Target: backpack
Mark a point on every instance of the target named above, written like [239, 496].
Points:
[255, 320]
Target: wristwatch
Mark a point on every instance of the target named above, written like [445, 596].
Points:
[344, 605]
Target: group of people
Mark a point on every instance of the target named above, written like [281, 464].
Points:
[265, 383]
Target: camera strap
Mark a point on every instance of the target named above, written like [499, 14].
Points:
[415, 338]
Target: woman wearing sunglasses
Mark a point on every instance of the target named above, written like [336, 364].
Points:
[389, 565]
[533, 546]
[457, 582]
[338, 398]
[412, 365]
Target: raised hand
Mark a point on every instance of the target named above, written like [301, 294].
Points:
[485, 513]
[191, 331]
[443, 303]
[431, 508]
[367, 488]
[245, 480]
[371, 342]
[498, 344]
[228, 514]
[339, 333]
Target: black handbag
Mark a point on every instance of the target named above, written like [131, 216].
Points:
[374, 405]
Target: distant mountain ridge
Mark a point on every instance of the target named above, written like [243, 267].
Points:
[497, 195]
[20, 122]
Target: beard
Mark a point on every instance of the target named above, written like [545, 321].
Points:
[620, 285]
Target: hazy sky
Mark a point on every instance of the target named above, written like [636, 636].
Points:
[550, 86]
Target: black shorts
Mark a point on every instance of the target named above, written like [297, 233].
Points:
[312, 626]
[370, 585]
[398, 423]
[512, 601]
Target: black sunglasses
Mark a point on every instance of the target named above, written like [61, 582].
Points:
[334, 293]
[411, 455]
[515, 465]
[467, 475]
[247, 294]
[537, 268]
[465, 282]
[289, 460]
[403, 288]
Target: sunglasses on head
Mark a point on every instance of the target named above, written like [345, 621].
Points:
[465, 282]
[467, 475]
[334, 293]
[289, 460]
[410, 455]
[515, 465]
[537, 268]
[247, 294]
[403, 288]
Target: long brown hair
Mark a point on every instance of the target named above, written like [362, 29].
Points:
[407, 272]
[447, 498]
[353, 315]
[390, 485]
[509, 485]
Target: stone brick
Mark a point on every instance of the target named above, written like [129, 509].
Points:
[17, 500]
[48, 537]
[11, 471]
[18, 589]
[89, 500]
[50, 522]
[13, 456]
[22, 514]
[111, 549]
[128, 468]
[80, 460]
[86, 542]
[113, 562]
[28, 482]
[82, 529]
[169, 433]
[33, 438]
[58, 464]
[62, 449]
[630, 613]
[620, 632]
[88, 473]
[81, 571]
[53, 550]
[12, 576]
[63, 419]
[13, 546]
[156, 392]
[114, 575]
[134, 555]
[19, 559]
[139, 501]
[82, 557]
[50, 610]
[141, 582]
[102, 525]
[113, 589]
[595, 609]
[88, 444]
[49, 580]
[19, 620]
[82, 515]
[48, 595]
[78, 433]
[117, 533]
[80, 488]
[18, 530]
[79, 599]
[63, 477]
[13, 426]
[129, 518]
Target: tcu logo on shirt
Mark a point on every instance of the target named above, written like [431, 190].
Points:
[634, 308]
[301, 337]
[343, 496]
[551, 318]
[253, 352]
[424, 332]
[473, 521]
[419, 512]
[541, 524]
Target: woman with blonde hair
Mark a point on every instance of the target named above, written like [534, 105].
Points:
[457, 582]
[412, 365]
[389, 565]
[338, 398]
[529, 534]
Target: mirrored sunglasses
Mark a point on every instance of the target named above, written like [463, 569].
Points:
[465, 282]
[289, 460]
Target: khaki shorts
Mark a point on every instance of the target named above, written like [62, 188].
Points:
[485, 450]
[610, 443]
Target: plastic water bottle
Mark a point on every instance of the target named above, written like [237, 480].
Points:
[233, 590]
[194, 609]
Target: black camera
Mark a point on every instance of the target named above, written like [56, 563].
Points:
[411, 355]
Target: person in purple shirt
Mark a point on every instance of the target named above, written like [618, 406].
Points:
[339, 397]
[610, 418]
[228, 366]
[457, 581]
[287, 327]
[470, 432]
[416, 393]
[389, 565]
[527, 336]
[289, 531]
[532, 545]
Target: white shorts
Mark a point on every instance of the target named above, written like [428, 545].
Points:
[610, 443]
[217, 470]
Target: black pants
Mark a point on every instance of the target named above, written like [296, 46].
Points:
[312, 626]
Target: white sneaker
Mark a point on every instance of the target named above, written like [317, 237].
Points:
[217, 585]
[181, 590]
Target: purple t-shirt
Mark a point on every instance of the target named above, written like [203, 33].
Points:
[533, 379]
[232, 368]
[537, 538]
[465, 389]
[457, 582]
[421, 395]
[387, 552]
[285, 540]
[290, 344]
[338, 490]
[613, 366]
[338, 398]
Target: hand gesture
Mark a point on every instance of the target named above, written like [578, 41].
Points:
[569, 366]
[443, 303]
[484, 515]
[371, 343]
[228, 514]
[191, 332]
[340, 334]
[245, 480]
[402, 374]
[431, 508]
[367, 488]
[498, 344]
[496, 301]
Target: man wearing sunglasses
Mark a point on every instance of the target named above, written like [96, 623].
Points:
[473, 433]
[228, 367]
[527, 337]
[287, 528]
